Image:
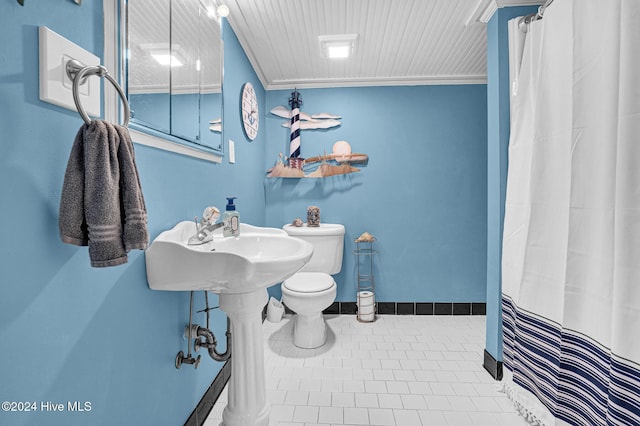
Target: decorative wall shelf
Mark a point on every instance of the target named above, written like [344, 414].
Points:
[325, 169]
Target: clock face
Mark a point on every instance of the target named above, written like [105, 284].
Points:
[250, 111]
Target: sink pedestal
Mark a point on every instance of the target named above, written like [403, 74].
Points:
[247, 401]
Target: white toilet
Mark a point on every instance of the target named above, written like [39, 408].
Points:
[312, 289]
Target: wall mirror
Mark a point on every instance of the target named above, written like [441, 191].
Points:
[174, 63]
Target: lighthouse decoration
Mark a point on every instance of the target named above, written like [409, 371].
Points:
[295, 101]
[298, 121]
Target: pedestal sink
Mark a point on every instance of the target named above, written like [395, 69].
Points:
[238, 269]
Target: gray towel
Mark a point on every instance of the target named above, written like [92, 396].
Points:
[102, 204]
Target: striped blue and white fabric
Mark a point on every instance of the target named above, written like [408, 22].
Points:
[576, 379]
[571, 245]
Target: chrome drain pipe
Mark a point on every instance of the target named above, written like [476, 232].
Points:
[210, 343]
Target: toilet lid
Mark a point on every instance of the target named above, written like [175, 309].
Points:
[309, 282]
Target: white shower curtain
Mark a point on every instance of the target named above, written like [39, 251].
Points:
[571, 248]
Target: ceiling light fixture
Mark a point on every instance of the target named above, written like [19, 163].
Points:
[338, 46]
[214, 9]
[223, 10]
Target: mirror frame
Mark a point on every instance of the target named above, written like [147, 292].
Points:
[114, 12]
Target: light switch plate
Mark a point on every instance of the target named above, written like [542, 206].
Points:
[55, 86]
[232, 151]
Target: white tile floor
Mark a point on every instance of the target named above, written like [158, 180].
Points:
[398, 370]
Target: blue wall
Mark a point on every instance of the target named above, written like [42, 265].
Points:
[497, 150]
[422, 194]
[70, 332]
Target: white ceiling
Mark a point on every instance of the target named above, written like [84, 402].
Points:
[400, 42]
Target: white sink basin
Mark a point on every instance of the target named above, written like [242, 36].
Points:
[258, 258]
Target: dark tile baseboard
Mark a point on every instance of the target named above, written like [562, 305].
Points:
[204, 407]
[492, 366]
[412, 308]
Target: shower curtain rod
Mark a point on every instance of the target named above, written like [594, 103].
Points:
[524, 22]
[542, 8]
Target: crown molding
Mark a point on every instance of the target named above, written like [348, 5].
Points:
[369, 82]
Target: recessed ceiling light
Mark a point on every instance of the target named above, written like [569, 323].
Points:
[338, 46]
[337, 52]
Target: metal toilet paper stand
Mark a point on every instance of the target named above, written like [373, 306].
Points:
[366, 305]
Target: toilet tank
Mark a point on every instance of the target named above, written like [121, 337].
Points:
[328, 245]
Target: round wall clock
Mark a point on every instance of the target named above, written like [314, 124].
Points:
[250, 111]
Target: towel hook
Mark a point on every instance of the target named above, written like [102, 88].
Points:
[79, 73]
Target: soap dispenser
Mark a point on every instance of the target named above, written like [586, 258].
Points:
[231, 219]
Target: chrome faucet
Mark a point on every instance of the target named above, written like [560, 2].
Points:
[205, 228]
[204, 234]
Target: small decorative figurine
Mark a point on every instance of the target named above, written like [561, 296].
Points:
[297, 222]
[313, 216]
[365, 237]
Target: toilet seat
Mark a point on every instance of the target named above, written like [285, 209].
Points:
[309, 282]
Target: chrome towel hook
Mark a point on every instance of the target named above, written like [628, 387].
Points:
[78, 73]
